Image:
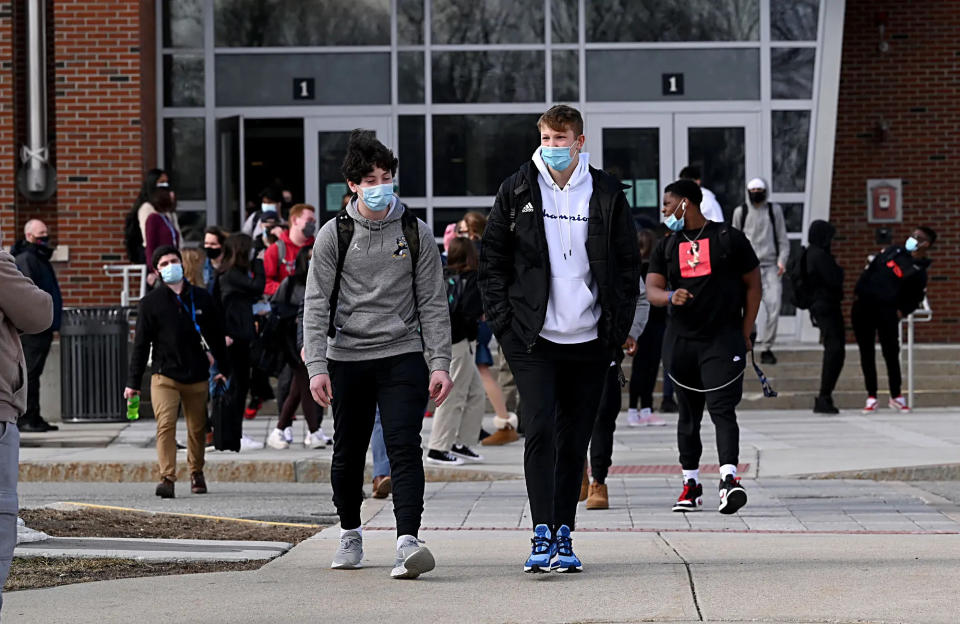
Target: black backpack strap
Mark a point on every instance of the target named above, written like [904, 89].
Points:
[518, 190]
[743, 216]
[773, 225]
[344, 236]
[411, 231]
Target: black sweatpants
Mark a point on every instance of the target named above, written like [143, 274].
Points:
[601, 442]
[829, 319]
[646, 365]
[704, 364]
[871, 319]
[239, 354]
[399, 385]
[36, 347]
[560, 387]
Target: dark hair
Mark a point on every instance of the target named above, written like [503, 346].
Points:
[302, 266]
[148, 185]
[462, 255]
[690, 172]
[236, 253]
[562, 117]
[687, 189]
[930, 234]
[162, 200]
[646, 241]
[164, 250]
[271, 193]
[364, 152]
[216, 231]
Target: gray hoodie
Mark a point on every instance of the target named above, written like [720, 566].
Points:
[760, 232]
[377, 316]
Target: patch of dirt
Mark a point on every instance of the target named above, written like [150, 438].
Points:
[39, 572]
[130, 524]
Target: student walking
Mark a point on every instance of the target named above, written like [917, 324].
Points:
[708, 277]
[825, 282]
[891, 287]
[646, 361]
[375, 306]
[183, 325]
[456, 423]
[559, 271]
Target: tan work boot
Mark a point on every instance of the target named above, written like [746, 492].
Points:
[501, 436]
[382, 486]
[585, 483]
[598, 496]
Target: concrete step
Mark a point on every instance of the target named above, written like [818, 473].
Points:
[844, 400]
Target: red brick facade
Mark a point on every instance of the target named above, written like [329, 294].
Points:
[912, 89]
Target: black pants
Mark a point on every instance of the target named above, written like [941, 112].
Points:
[398, 385]
[239, 354]
[829, 318]
[705, 364]
[871, 319]
[560, 388]
[646, 365]
[36, 347]
[601, 442]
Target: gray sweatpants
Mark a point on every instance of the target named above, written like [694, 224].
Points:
[769, 314]
[9, 505]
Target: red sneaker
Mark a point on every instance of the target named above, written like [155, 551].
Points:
[691, 499]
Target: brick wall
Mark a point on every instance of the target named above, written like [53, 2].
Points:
[7, 155]
[913, 89]
[96, 137]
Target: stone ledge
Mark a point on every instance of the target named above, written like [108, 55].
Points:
[935, 472]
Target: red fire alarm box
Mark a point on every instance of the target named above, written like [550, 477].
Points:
[884, 201]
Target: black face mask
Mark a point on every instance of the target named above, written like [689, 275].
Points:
[758, 197]
[213, 252]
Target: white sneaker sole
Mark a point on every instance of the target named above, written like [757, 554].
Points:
[416, 564]
[275, 445]
[348, 566]
[537, 569]
[566, 570]
[467, 458]
[734, 502]
[438, 462]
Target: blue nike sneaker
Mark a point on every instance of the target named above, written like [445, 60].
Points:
[544, 551]
[566, 561]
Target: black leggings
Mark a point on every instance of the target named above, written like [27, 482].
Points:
[830, 321]
[646, 365]
[871, 319]
[601, 442]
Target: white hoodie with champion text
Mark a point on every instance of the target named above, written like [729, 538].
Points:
[573, 309]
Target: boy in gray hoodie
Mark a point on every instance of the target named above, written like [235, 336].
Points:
[367, 325]
[24, 308]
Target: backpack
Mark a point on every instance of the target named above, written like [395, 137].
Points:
[801, 290]
[133, 237]
[773, 224]
[345, 227]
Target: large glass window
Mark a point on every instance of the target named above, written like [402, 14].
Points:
[493, 76]
[488, 21]
[564, 16]
[410, 77]
[192, 224]
[184, 156]
[791, 133]
[673, 20]
[269, 23]
[182, 80]
[183, 24]
[791, 73]
[566, 75]
[632, 155]
[473, 154]
[413, 155]
[793, 216]
[793, 20]
[721, 154]
[410, 22]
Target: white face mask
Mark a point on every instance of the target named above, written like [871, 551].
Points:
[265, 207]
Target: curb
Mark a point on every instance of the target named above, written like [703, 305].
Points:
[299, 471]
[935, 472]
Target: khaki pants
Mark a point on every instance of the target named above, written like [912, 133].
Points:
[507, 383]
[459, 419]
[166, 396]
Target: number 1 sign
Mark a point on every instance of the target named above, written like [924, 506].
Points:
[673, 84]
[303, 89]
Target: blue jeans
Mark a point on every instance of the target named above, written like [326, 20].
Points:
[381, 463]
[9, 505]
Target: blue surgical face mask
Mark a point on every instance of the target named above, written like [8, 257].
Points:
[268, 207]
[911, 244]
[378, 198]
[557, 158]
[673, 222]
[172, 273]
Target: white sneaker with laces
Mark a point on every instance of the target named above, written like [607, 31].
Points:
[633, 418]
[899, 404]
[249, 444]
[288, 434]
[314, 440]
[871, 405]
[274, 440]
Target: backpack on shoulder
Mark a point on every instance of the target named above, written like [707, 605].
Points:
[133, 238]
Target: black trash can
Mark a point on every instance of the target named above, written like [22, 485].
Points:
[94, 364]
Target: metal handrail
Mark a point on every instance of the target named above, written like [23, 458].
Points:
[923, 314]
[126, 271]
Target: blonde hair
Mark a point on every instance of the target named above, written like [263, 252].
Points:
[193, 266]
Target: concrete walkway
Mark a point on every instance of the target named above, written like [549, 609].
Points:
[153, 549]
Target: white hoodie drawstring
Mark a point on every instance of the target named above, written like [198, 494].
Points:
[566, 194]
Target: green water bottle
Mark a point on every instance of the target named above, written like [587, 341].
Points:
[133, 407]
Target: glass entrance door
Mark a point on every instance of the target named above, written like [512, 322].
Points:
[325, 147]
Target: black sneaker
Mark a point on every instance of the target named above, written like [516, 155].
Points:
[465, 452]
[732, 495]
[767, 357]
[443, 458]
[668, 406]
[165, 488]
[691, 499]
[824, 405]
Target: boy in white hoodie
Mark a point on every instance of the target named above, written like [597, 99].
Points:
[559, 275]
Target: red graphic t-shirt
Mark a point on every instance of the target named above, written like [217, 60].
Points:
[695, 258]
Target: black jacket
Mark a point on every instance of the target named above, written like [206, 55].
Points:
[825, 275]
[167, 325]
[34, 262]
[894, 278]
[515, 263]
[237, 292]
[466, 307]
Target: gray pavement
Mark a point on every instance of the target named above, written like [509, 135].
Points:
[154, 550]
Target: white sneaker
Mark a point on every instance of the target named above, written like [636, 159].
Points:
[871, 405]
[899, 404]
[314, 440]
[326, 439]
[288, 435]
[274, 440]
[249, 444]
[633, 418]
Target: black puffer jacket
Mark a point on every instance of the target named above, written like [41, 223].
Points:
[514, 274]
[826, 276]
